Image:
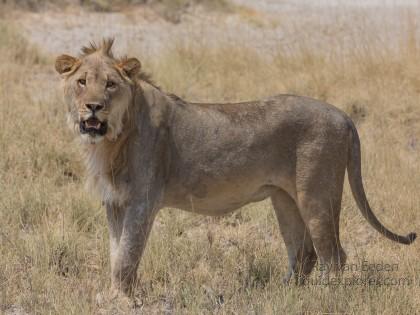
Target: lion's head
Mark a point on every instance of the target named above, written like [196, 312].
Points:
[98, 90]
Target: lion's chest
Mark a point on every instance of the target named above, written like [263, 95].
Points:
[106, 181]
[109, 191]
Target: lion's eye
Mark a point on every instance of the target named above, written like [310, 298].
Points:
[82, 82]
[110, 84]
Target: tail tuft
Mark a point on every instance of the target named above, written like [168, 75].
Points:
[411, 237]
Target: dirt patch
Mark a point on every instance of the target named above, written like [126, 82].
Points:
[266, 27]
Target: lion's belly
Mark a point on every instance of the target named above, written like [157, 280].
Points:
[215, 198]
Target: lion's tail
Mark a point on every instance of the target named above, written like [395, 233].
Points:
[356, 184]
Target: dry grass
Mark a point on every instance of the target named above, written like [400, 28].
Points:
[53, 235]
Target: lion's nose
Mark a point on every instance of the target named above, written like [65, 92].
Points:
[94, 107]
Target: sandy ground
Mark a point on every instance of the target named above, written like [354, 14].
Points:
[264, 25]
[278, 5]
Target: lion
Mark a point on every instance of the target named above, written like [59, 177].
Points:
[146, 149]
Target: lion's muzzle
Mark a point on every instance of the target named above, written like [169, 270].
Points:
[93, 126]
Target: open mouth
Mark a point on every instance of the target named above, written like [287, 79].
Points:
[93, 126]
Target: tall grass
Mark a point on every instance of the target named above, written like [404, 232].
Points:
[53, 235]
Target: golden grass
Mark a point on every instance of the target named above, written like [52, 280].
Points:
[53, 235]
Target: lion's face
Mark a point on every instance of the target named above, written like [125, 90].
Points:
[98, 92]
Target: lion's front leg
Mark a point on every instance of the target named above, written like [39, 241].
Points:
[125, 257]
[115, 216]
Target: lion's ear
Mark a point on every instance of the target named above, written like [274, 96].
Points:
[65, 63]
[130, 67]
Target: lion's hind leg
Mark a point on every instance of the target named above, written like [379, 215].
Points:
[300, 250]
[322, 219]
[319, 193]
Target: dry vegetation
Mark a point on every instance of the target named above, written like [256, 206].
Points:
[53, 235]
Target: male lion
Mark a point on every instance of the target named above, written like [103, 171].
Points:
[146, 149]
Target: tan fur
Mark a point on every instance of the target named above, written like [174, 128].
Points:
[212, 159]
